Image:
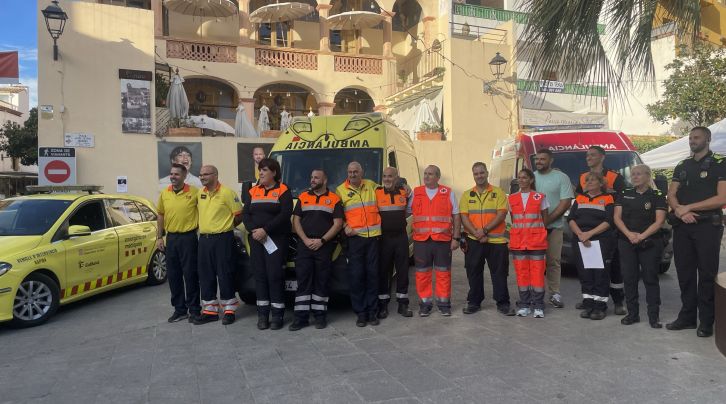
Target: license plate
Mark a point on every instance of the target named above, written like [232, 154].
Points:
[291, 285]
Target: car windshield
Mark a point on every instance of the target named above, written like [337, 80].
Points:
[29, 217]
[573, 163]
[297, 166]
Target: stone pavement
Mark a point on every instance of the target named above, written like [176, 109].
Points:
[119, 348]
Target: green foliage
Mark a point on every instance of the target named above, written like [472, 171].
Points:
[431, 127]
[696, 90]
[21, 141]
[647, 143]
[161, 89]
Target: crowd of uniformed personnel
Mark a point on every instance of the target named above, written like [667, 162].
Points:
[616, 240]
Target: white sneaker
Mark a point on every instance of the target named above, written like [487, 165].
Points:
[523, 312]
[538, 313]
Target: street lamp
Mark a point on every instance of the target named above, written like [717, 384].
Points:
[55, 21]
[497, 65]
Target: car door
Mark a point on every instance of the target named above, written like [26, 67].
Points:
[135, 234]
[91, 260]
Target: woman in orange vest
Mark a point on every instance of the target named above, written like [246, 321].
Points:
[528, 243]
[590, 219]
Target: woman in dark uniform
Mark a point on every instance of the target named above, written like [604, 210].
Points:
[639, 214]
[267, 218]
[590, 220]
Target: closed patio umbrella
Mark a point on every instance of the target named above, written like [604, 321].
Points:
[176, 98]
[203, 8]
[242, 126]
[205, 122]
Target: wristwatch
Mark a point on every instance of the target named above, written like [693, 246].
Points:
[323, 240]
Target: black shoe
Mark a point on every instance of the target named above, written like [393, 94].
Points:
[597, 315]
[228, 318]
[580, 305]
[383, 311]
[425, 310]
[206, 318]
[445, 311]
[655, 323]
[263, 323]
[276, 323]
[678, 325]
[176, 317]
[619, 310]
[320, 323]
[470, 309]
[193, 316]
[373, 319]
[404, 310]
[586, 313]
[298, 325]
[629, 320]
[361, 321]
[704, 331]
[506, 310]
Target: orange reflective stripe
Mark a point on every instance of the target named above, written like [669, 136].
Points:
[528, 230]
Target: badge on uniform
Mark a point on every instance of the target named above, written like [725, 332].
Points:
[647, 206]
[704, 174]
[601, 202]
[327, 201]
[203, 196]
[494, 195]
[401, 199]
[536, 197]
[275, 194]
[443, 190]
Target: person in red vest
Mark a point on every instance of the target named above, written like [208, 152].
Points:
[528, 243]
[590, 220]
[436, 233]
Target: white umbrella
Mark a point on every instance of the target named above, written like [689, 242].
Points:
[668, 155]
[205, 122]
[176, 98]
[279, 12]
[242, 125]
[353, 20]
[203, 8]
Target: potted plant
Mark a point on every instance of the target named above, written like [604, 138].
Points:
[430, 131]
[183, 127]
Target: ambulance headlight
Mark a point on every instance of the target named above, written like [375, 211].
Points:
[4, 267]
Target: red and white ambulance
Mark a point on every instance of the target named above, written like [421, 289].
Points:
[569, 148]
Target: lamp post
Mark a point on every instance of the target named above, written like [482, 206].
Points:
[497, 65]
[55, 22]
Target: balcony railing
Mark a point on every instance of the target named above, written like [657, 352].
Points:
[418, 69]
[496, 14]
[203, 52]
[286, 58]
[358, 64]
[569, 88]
[474, 32]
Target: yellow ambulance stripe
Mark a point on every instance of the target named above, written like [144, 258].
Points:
[104, 281]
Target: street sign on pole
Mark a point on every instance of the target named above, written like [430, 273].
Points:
[56, 166]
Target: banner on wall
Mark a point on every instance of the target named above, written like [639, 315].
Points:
[9, 68]
[135, 100]
[553, 120]
[187, 154]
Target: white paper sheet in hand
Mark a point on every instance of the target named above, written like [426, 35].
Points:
[591, 256]
[270, 245]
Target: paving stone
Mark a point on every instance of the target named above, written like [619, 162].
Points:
[377, 386]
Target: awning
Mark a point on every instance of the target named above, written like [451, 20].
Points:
[405, 115]
[668, 155]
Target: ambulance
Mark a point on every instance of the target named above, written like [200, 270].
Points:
[330, 143]
[568, 148]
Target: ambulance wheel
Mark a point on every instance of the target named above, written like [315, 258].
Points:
[157, 269]
[37, 300]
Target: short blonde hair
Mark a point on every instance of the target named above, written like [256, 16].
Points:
[646, 170]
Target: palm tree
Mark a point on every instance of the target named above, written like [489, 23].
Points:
[563, 36]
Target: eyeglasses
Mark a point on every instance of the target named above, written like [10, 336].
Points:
[206, 174]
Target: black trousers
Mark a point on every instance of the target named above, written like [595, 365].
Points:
[595, 282]
[269, 270]
[181, 267]
[637, 263]
[696, 248]
[497, 256]
[216, 266]
[312, 271]
[394, 253]
[363, 274]
[617, 285]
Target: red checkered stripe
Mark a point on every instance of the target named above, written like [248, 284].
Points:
[104, 281]
[135, 251]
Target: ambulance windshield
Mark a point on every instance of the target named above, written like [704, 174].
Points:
[31, 217]
[298, 164]
[573, 163]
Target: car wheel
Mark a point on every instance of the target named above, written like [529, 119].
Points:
[157, 269]
[664, 266]
[36, 301]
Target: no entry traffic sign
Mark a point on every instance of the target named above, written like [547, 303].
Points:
[57, 166]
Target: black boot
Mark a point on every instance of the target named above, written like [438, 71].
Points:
[276, 323]
[404, 310]
[263, 321]
[383, 309]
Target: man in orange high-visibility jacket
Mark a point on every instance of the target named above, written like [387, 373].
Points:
[363, 229]
[435, 211]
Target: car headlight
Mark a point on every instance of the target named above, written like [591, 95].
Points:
[4, 267]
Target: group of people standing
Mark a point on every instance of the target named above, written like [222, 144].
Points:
[619, 227]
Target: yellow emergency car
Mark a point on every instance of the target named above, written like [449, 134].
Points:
[330, 143]
[57, 248]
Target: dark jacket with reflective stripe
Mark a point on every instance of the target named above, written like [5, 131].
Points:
[269, 209]
[589, 212]
[392, 208]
